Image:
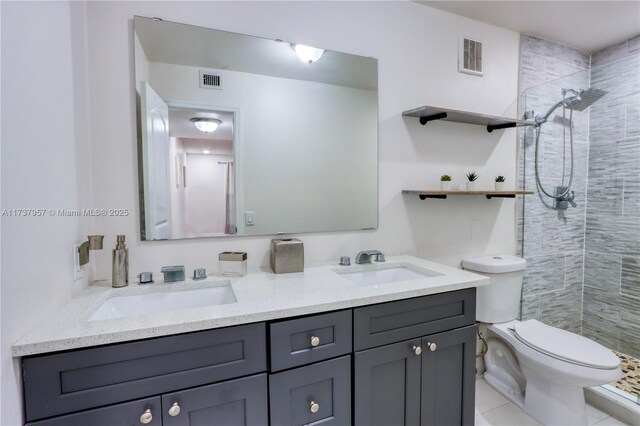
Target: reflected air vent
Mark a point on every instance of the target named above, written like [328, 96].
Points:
[470, 56]
[210, 80]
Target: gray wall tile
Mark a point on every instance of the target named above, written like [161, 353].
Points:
[630, 282]
[602, 270]
[544, 273]
[609, 54]
[619, 79]
[606, 121]
[634, 45]
[598, 295]
[632, 116]
[605, 334]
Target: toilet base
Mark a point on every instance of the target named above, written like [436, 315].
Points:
[555, 405]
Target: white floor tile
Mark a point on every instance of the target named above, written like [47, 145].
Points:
[487, 398]
[610, 421]
[594, 415]
[507, 415]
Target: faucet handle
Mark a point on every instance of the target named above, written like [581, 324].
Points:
[380, 257]
[345, 261]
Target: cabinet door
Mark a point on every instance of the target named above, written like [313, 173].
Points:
[144, 411]
[237, 402]
[448, 377]
[387, 385]
[315, 394]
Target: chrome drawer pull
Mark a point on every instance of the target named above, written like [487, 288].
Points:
[146, 417]
[314, 407]
[174, 410]
[315, 341]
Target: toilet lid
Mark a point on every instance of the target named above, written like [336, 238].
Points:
[565, 345]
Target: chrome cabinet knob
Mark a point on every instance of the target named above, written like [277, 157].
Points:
[314, 407]
[315, 340]
[432, 346]
[174, 410]
[417, 350]
[146, 417]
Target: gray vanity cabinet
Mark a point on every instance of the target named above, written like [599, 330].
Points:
[314, 394]
[319, 389]
[387, 385]
[427, 379]
[85, 379]
[406, 362]
[125, 414]
[240, 402]
[448, 377]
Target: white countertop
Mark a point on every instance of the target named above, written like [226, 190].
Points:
[260, 296]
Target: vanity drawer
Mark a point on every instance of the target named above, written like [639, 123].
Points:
[126, 413]
[314, 394]
[391, 322]
[310, 339]
[87, 378]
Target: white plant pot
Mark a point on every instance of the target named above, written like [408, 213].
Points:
[471, 186]
[445, 185]
[499, 186]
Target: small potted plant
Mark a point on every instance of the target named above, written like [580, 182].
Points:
[445, 183]
[500, 183]
[472, 177]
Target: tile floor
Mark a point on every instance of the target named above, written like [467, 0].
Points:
[492, 409]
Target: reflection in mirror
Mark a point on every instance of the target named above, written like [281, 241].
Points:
[295, 142]
[202, 184]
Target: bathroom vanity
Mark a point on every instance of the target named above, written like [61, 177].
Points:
[393, 353]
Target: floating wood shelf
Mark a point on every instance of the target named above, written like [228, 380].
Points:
[429, 113]
[443, 194]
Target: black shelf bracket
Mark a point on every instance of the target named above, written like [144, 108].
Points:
[427, 118]
[490, 196]
[492, 127]
[438, 196]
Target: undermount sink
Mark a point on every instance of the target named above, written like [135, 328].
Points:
[153, 303]
[386, 275]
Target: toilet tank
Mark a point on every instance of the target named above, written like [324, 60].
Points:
[499, 301]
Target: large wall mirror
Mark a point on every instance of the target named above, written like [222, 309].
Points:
[240, 135]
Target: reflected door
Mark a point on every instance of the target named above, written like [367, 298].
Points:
[155, 155]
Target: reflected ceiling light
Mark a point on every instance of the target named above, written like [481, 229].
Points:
[206, 125]
[205, 151]
[308, 54]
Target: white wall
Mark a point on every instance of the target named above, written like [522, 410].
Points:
[45, 164]
[417, 48]
[206, 192]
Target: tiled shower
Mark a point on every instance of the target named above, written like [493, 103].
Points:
[583, 271]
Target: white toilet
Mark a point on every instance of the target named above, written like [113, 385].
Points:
[540, 368]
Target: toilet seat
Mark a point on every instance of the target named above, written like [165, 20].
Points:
[565, 346]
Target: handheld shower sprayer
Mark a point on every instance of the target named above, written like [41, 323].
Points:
[578, 101]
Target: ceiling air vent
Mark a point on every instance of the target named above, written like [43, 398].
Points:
[210, 80]
[470, 57]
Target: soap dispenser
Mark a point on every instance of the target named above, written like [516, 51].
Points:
[120, 267]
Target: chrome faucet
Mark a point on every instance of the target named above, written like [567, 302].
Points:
[365, 256]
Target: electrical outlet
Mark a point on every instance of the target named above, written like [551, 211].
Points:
[78, 271]
[249, 218]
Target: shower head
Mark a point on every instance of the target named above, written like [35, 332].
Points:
[585, 98]
[578, 102]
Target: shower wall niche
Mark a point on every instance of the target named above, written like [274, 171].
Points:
[583, 271]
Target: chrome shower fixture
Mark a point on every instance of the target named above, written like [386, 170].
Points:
[579, 101]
